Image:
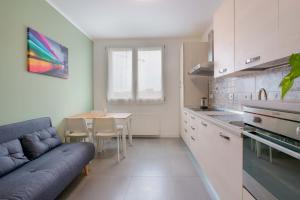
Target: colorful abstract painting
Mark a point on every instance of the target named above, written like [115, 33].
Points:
[46, 56]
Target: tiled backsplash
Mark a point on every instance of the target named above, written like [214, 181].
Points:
[228, 92]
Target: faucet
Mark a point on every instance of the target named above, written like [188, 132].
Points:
[262, 90]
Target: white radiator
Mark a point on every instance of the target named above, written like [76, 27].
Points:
[146, 124]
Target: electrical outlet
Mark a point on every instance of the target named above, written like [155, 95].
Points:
[230, 96]
[247, 96]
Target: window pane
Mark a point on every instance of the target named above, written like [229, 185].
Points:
[149, 74]
[120, 74]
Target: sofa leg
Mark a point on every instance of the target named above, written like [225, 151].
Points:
[86, 170]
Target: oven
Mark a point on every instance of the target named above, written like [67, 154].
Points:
[271, 154]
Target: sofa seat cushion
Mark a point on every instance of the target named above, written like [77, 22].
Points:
[47, 176]
[39, 142]
[11, 156]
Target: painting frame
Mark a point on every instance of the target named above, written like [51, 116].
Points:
[46, 56]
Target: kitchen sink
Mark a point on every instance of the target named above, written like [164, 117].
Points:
[233, 119]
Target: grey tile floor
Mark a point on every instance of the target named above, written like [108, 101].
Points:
[154, 169]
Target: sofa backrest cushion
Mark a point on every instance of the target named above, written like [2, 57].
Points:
[11, 156]
[39, 142]
[16, 130]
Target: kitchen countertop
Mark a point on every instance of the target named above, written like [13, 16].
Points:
[291, 106]
[229, 120]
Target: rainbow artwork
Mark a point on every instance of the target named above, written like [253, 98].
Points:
[46, 56]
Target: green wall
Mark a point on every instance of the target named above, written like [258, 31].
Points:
[25, 95]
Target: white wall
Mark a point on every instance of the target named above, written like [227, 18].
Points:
[149, 119]
[204, 36]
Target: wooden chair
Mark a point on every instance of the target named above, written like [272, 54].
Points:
[76, 128]
[105, 128]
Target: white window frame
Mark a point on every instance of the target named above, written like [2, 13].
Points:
[135, 76]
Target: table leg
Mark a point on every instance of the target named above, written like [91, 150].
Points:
[129, 130]
[124, 143]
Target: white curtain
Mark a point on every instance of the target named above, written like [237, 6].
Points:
[150, 75]
[120, 87]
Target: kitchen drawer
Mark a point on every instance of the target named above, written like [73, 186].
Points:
[185, 114]
[185, 130]
[185, 119]
[193, 129]
[193, 123]
[186, 136]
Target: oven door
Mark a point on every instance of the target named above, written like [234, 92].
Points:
[271, 166]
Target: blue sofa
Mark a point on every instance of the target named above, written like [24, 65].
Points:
[34, 164]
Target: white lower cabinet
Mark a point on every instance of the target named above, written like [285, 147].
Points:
[219, 153]
[185, 130]
[226, 161]
[193, 135]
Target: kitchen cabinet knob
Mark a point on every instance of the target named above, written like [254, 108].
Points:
[224, 136]
[257, 120]
[192, 138]
[251, 60]
[223, 70]
[192, 128]
[204, 124]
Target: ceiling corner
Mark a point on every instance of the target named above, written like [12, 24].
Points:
[69, 19]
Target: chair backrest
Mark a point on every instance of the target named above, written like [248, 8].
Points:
[76, 125]
[104, 125]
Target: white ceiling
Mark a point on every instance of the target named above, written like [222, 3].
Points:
[138, 18]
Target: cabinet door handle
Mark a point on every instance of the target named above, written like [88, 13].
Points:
[257, 120]
[224, 136]
[251, 60]
[192, 138]
[192, 128]
[203, 124]
[221, 71]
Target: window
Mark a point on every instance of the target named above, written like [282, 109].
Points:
[135, 74]
[149, 76]
[120, 75]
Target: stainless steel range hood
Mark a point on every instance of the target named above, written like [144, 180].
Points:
[206, 69]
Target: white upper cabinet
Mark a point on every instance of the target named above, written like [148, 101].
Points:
[256, 32]
[224, 39]
[289, 27]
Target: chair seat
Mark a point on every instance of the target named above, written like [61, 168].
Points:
[77, 134]
[120, 127]
[106, 134]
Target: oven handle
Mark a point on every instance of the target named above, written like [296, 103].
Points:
[273, 145]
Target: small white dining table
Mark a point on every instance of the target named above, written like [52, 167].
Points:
[125, 119]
